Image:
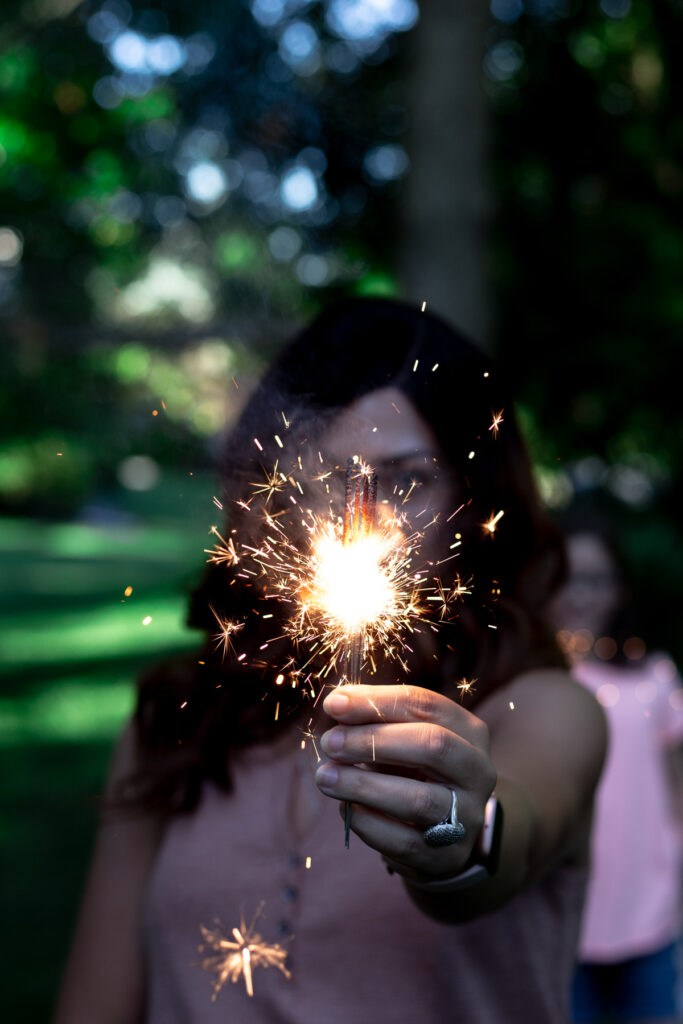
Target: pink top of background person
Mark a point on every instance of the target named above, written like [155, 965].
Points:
[633, 898]
[636, 848]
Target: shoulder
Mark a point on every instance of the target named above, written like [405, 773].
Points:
[546, 721]
[537, 694]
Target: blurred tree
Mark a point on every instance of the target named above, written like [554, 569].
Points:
[179, 186]
[446, 204]
[587, 101]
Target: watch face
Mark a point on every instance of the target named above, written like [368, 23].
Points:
[491, 836]
[485, 840]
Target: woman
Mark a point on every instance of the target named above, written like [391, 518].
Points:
[631, 925]
[227, 813]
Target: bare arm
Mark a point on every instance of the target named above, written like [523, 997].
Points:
[548, 739]
[103, 981]
[544, 756]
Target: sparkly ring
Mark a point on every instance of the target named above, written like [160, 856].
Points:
[448, 831]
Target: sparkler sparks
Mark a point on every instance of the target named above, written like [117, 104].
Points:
[466, 686]
[237, 958]
[224, 552]
[497, 420]
[340, 579]
[353, 586]
[491, 524]
[226, 631]
[273, 483]
[308, 734]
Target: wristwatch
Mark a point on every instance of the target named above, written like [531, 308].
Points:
[483, 862]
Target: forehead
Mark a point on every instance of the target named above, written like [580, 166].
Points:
[379, 426]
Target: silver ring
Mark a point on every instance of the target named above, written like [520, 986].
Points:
[448, 831]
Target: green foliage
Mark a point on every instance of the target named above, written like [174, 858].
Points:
[73, 645]
[120, 270]
[589, 240]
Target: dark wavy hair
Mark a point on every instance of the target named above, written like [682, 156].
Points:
[191, 713]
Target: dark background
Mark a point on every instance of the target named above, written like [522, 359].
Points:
[179, 188]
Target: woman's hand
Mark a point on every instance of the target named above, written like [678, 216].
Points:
[420, 746]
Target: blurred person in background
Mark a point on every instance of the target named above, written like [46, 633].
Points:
[632, 918]
[213, 804]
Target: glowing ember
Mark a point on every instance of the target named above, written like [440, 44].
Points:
[497, 420]
[350, 585]
[237, 958]
[227, 630]
[224, 552]
[491, 524]
[466, 686]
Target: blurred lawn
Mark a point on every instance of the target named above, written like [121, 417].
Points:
[71, 647]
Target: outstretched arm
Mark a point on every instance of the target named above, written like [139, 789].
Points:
[540, 741]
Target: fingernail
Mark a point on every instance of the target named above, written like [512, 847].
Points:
[327, 776]
[336, 704]
[332, 741]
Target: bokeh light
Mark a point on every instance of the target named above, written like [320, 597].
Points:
[206, 182]
[299, 189]
[11, 247]
[139, 473]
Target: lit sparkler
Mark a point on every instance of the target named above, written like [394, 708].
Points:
[360, 504]
[236, 958]
[350, 586]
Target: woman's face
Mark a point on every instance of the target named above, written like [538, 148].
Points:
[593, 590]
[388, 432]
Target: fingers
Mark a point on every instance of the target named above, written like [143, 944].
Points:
[404, 844]
[428, 745]
[433, 750]
[361, 704]
[420, 803]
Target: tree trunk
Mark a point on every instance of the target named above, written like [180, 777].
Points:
[446, 199]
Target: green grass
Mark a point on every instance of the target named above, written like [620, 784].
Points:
[71, 647]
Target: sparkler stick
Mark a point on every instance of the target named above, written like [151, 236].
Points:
[359, 518]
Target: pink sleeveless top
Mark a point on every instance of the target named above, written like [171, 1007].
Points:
[358, 949]
[633, 901]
